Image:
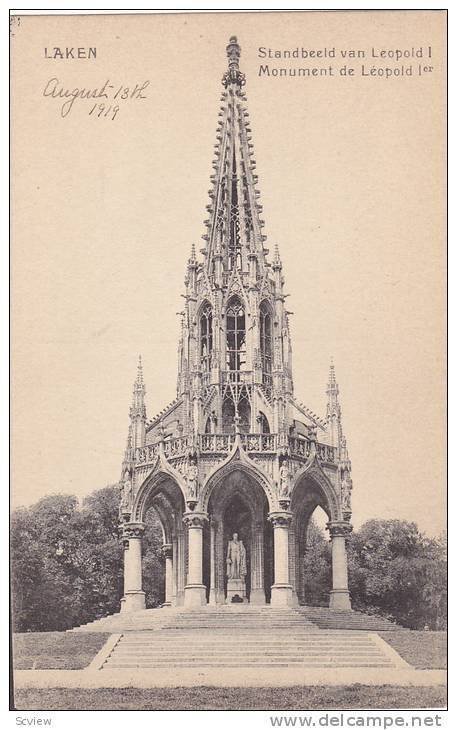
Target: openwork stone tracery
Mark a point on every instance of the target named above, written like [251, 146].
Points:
[235, 452]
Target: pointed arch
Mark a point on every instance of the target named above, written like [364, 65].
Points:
[311, 488]
[159, 482]
[237, 461]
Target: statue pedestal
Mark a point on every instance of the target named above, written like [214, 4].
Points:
[236, 587]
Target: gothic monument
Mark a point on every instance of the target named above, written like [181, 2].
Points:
[235, 465]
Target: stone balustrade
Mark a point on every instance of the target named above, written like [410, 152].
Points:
[215, 443]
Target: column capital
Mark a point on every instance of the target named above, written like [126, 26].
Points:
[132, 530]
[280, 519]
[339, 529]
[195, 519]
[167, 550]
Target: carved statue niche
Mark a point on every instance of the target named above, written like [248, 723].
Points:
[346, 489]
[191, 477]
[126, 492]
[284, 484]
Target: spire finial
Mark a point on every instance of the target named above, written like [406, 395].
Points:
[139, 377]
[233, 75]
[233, 52]
[332, 384]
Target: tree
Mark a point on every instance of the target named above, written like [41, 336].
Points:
[67, 561]
[396, 571]
[316, 566]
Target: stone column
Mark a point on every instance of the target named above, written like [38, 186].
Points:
[195, 591]
[174, 593]
[212, 557]
[167, 552]
[339, 595]
[181, 567]
[257, 596]
[134, 596]
[281, 590]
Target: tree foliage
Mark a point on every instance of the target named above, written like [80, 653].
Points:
[67, 562]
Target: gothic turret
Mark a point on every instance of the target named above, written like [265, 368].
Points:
[137, 430]
[333, 408]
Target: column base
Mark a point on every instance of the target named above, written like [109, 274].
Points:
[340, 600]
[167, 604]
[257, 597]
[133, 601]
[282, 594]
[195, 595]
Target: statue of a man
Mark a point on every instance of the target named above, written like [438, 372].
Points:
[236, 558]
[346, 489]
[284, 480]
[192, 479]
[126, 488]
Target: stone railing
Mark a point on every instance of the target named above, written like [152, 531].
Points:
[222, 443]
[299, 447]
[326, 453]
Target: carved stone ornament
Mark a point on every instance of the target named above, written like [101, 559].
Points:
[195, 519]
[339, 529]
[280, 519]
[132, 530]
[167, 550]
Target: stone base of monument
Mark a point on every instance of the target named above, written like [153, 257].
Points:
[133, 601]
[236, 591]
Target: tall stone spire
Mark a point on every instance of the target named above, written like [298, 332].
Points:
[234, 229]
[138, 409]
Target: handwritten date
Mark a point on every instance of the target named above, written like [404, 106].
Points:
[54, 89]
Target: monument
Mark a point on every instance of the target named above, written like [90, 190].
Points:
[236, 452]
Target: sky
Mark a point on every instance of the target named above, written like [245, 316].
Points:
[351, 174]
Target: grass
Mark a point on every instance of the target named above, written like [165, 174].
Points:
[421, 649]
[233, 698]
[56, 649]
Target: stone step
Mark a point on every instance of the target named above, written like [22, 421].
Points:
[238, 664]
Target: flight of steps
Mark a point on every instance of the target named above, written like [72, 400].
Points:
[226, 618]
[325, 618]
[223, 617]
[248, 647]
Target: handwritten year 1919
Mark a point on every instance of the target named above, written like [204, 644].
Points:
[100, 109]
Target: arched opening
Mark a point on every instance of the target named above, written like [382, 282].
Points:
[316, 561]
[238, 504]
[164, 543]
[266, 347]
[153, 568]
[236, 338]
[206, 336]
[310, 542]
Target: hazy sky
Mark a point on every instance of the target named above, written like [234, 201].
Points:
[351, 172]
